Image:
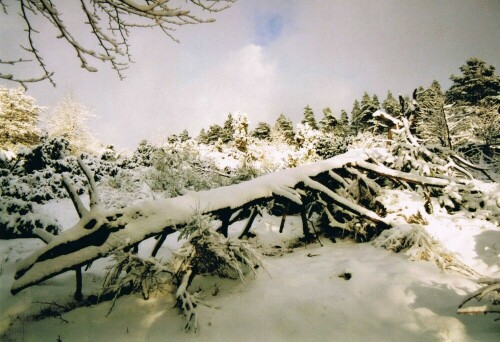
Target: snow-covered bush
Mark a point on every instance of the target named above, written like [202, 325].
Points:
[7, 159]
[330, 145]
[143, 155]
[240, 135]
[418, 244]
[20, 220]
[177, 168]
[133, 273]
[208, 252]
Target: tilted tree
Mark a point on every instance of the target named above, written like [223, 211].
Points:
[309, 118]
[110, 23]
[477, 81]
[18, 118]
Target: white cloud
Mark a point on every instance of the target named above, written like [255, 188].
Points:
[244, 81]
[326, 54]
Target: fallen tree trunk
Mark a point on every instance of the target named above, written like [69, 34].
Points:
[101, 232]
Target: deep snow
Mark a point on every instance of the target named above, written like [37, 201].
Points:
[299, 296]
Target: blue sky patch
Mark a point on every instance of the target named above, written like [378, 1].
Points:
[268, 28]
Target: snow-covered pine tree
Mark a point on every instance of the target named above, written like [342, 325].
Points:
[477, 81]
[284, 129]
[344, 118]
[214, 133]
[143, 155]
[328, 123]
[262, 131]
[432, 123]
[184, 136]
[306, 139]
[368, 107]
[202, 137]
[227, 133]
[391, 105]
[309, 118]
[69, 120]
[18, 118]
[375, 102]
[241, 131]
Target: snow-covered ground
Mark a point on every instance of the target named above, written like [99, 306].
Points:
[300, 295]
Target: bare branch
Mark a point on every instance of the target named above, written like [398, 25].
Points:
[93, 192]
[80, 208]
[109, 21]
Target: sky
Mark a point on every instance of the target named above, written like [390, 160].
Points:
[263, 58]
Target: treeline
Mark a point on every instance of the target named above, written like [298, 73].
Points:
[464, 116]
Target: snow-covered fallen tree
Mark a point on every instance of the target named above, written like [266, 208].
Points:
[339, 195]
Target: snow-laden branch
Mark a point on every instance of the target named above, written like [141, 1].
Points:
[110, 22]
[101, 232]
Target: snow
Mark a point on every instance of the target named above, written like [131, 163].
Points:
[150, 218]
[301, 297]
[298, 296]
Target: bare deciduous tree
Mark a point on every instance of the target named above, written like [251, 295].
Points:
[110, 22]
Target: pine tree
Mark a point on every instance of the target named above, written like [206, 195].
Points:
[375, 102]
[214, 133]
[284, 129]
[18, 118]
[228, 129]
[69, 120]
[368, 107]
[477, 81]
[172, 138]
[344, 118]
[355, 116]
[202, 137]
[391, 105]
[432, 120]
[309, 118]
[262, 131]
[329, 123]
[184, 136]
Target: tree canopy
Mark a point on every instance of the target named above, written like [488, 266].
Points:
[18, 118]
[110, 23]
[478, 80]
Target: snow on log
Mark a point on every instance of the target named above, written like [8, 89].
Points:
[405, 176]
[100, 232]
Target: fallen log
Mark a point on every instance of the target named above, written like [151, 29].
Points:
[101, 232]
